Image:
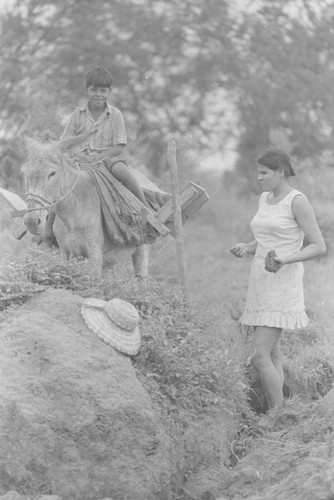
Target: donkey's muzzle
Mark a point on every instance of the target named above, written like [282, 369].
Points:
[33, 223]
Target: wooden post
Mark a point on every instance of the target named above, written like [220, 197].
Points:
[177, 216]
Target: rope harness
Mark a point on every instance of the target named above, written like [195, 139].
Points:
[42, 201]
[123, 223]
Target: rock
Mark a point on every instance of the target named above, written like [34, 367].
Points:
[208, 482]
[13, 495]
[208, 438]
[74, 419]
[47, 497]
[207, 445]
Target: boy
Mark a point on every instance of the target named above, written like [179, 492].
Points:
[109, 140]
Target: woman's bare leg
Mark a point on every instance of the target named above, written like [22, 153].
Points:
[277, 359]
[264, 341]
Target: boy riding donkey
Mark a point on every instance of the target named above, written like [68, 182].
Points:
[108, 138]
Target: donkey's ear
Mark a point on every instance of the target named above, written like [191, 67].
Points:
[28, 143]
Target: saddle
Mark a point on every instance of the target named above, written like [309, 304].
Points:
[125, 218]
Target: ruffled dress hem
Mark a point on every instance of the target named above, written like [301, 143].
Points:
[275, 319]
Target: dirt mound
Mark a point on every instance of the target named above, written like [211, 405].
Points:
[291, 456]
[13, 495]
[74, 420]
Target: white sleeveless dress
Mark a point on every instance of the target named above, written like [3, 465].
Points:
[276, 299]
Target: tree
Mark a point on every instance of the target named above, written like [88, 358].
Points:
[165, 58]
[287, 84]
[200, 70]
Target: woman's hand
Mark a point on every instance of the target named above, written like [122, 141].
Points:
[272, 262]
[239, 250]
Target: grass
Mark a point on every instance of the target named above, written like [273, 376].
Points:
[192, 361]
[185, 363]
[288, 454]
[267, 454]
[219, 281]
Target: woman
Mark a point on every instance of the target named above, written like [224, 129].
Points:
[275, 299]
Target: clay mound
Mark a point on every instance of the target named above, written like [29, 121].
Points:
[74, 420]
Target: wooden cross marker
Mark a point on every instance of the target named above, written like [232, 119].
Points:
[177, 218]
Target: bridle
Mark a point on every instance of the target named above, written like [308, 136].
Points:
[39, 199]
[43, 202]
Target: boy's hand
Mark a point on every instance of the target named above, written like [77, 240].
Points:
[90, 159]
[239, 250]
[86, 131]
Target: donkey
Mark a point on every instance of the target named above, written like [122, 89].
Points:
[54, 181]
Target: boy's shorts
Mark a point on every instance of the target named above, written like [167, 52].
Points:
[110, 162]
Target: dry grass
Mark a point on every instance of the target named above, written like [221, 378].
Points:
[282, 448]
[192, 361]
[270, 454]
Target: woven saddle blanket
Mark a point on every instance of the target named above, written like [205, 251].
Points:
[122, 224]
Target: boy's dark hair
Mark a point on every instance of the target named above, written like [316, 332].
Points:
[275, 159]
[98, 77]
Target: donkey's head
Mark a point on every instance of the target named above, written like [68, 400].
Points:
[46, 172]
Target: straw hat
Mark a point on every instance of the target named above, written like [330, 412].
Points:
[115, 322]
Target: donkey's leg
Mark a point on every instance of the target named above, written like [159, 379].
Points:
[140, 260]
[94, 266]
[94, 254]
[64, 255]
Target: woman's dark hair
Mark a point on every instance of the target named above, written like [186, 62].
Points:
[98, 77]
[275, 159]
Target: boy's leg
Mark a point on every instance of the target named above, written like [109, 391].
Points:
[122, 173]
